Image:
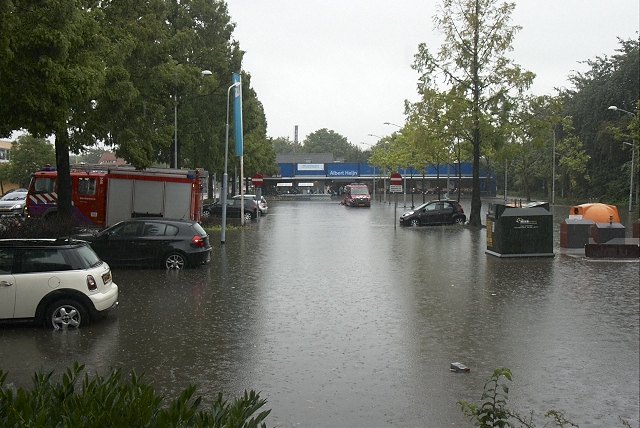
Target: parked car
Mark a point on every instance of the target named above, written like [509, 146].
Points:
[262, 202]
[155, 242]
[14, 204]
[233, 209]
[17, 189]
[435, 212]
[61, 283]
[356, 195]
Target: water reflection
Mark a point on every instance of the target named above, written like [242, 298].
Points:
[340, 319]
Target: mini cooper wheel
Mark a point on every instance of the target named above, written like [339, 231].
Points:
[66, 313]
[248, 215]
[414, 222]
[175, 261]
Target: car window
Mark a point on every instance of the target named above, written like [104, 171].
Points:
[14, 196]
[199, 230]
[86, 186]
[154, 229]
[87, 257]
[44, 185]
[431, 207]
[127, 229]
[359, 191]
[43, 260]
[6, 260]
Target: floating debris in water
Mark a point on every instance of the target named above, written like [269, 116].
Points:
[459, 368]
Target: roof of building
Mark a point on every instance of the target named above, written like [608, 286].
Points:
[110, 158]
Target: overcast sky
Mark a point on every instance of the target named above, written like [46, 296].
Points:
[345, 65]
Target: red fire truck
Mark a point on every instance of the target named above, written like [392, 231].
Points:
[104, 195]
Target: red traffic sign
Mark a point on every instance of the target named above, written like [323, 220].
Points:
[257, 179]
[396, 178]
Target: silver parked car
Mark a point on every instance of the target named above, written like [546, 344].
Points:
[262, 203]
[13, 204]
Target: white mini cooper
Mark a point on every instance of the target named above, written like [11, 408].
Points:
[59, 282]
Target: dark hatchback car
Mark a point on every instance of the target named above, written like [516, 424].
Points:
[234, 206]
[434, 212]
[154, 242]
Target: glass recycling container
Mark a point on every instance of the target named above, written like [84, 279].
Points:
[520, 230]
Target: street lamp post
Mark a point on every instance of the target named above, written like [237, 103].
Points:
[175, 131]
[225, 179]
[633, 152]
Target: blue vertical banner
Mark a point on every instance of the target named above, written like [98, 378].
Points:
[237, 114]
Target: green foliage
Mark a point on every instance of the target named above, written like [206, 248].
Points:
[91, 155]
[474, 70]
[283, 145]
[29, 154]
[492, 411]
[610, 80]
[117, 72]
[328, 141]
[107, 401]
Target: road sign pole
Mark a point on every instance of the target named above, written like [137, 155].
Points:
[395, 187]
[395, 212]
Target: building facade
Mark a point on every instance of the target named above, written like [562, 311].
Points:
[320, 173]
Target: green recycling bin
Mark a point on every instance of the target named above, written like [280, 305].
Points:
[520, 230]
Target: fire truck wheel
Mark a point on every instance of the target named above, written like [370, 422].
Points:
[175, 261]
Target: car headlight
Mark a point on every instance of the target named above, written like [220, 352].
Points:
[18, 206]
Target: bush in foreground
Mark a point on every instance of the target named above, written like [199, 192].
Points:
[493, 411]
[108, 402]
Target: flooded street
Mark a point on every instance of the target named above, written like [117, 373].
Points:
[338, 318]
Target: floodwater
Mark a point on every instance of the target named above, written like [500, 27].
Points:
[340, 319]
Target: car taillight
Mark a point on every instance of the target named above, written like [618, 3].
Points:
[92, 285]
[197, 241]
[460, 208]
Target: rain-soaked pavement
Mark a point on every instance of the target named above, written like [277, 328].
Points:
[340, 319]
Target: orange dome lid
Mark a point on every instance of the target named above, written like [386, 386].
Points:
[600, 213]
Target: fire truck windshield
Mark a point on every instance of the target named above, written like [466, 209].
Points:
[44, 185]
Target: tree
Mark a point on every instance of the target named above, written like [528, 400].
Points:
[530, 140]
[29, 154]
[50, 75]
[472, 63]
[283, 145]
[91, 155]
[116, 72]
[611, 80]
[328, 141]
